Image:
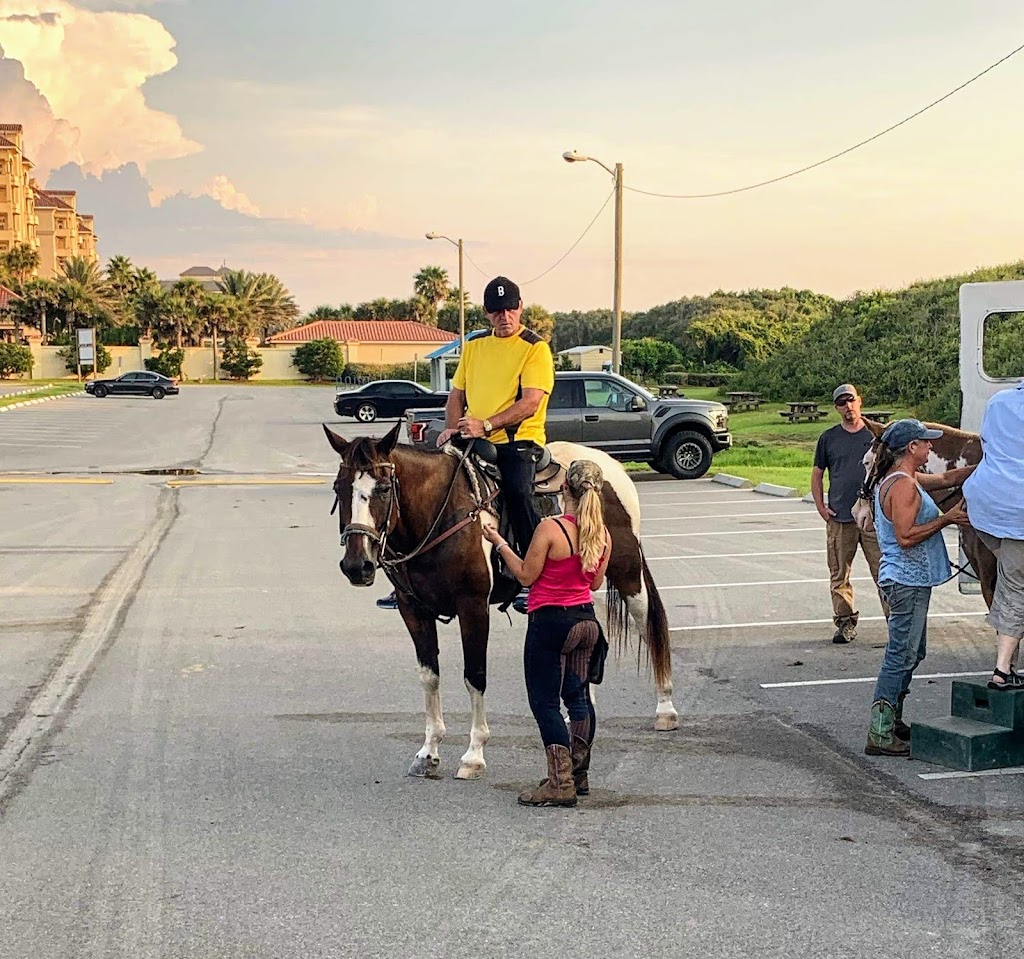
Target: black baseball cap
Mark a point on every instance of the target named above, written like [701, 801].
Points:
[501, 294]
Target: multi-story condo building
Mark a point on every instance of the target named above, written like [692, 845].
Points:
[48, 221]
[17, 198]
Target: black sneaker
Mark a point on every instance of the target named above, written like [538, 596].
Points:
[388, 602]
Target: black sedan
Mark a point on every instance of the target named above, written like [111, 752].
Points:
[137, 383]
[385, 398]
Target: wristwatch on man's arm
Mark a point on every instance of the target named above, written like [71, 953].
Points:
[488, 428]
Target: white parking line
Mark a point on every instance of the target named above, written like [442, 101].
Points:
[736, 532]
[721, 516]
[809, 622]
[866, 679]
[788, 552]
[763, 582]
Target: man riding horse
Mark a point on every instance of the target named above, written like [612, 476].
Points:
[500, 393]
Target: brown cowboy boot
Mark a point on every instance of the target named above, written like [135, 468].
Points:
[901, 730]
[558, 789]
[581, 765]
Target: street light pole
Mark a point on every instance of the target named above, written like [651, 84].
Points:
[571, 156]
[462, 294]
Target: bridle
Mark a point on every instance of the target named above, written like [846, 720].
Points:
[387, 558]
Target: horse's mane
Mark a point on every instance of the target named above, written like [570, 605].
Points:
[361, 454]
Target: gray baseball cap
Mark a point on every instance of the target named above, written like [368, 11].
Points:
[846, 389]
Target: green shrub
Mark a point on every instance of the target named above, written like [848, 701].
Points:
[943, 407]
[370, 372]
[167, 362]
[70, 357]
[672, 377]
[239, 361]
[320, 360]
[710, 379]
[14, 359]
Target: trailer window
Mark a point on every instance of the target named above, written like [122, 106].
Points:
[1002, 350]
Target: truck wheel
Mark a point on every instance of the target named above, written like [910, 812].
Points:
[687, 455]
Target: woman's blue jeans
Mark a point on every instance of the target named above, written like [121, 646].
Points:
[908, 639]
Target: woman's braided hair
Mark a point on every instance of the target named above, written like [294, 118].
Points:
[585, 482]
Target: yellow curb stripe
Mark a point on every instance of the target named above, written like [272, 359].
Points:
[58, 480]
[253, 481]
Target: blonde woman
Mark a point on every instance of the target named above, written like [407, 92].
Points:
[565, 562]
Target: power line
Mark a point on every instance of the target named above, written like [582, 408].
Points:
[468, 257]
[576, 244]
[835, 156]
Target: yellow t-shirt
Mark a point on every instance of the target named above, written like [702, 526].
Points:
[493, 371]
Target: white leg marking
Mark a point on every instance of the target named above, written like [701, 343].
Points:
[665, 716]
[472, 764]
[428, 759]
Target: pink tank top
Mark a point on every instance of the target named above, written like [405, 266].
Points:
[562, 582]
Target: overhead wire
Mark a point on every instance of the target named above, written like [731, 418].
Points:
[834, 156]
[579, 240]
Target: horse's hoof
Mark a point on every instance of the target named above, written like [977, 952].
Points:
[470, 771]
[425, 767]
[665, 722]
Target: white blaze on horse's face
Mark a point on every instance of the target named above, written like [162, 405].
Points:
[359, 563]
[363, 485]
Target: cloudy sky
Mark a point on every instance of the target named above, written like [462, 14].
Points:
[320, 139]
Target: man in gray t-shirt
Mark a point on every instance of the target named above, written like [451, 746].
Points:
[840, 453]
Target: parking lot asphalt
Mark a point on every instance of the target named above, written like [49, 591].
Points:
[227, 776]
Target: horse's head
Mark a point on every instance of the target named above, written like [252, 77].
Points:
[876, 429]
[367, 501]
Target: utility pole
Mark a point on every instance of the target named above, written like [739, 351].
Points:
[617, 320]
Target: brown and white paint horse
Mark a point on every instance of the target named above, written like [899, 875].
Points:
[953, 449]
[396, 502]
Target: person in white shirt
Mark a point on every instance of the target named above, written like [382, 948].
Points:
[995, 504]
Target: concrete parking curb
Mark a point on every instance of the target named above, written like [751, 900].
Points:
[735, 481]
[809, 498]
[770, 489]
[41, 399]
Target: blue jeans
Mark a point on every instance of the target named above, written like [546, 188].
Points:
[908, 639]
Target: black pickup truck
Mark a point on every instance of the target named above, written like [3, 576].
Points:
[675, 435]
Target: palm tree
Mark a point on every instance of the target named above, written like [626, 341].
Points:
[433, 285]
[262, 303]
[121, 277]
[186, 302]
[22, 261]
[76, 300]
[39, 298]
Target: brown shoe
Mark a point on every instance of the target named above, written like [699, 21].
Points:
[846, 630]
[558, 789]
[581, 765]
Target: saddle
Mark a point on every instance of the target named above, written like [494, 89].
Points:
[549, 472]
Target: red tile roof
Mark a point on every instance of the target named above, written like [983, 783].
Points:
[48, 200]
[366, 331]
[6, 296]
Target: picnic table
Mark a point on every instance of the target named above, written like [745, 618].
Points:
[743, 400]
[879, 416]
[668, 389]
[802, 411]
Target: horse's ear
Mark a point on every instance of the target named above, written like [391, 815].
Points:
[339, 443]
[386, 445]
[877, 429]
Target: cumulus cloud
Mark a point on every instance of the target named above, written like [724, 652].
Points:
[90, 66]
[229, 196]
[49, 141]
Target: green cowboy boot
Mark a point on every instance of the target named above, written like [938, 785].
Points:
[882, 739]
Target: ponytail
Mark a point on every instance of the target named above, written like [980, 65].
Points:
[585, 482]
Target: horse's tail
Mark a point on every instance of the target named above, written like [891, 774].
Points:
[658, 638]
[659, 651]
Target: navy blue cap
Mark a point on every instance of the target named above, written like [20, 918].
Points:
[902, 433]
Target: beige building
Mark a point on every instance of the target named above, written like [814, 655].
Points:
[17, 199]
[590, 359]
[371, 341]
[63, 232]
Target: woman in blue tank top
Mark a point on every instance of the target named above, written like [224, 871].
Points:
[909, 527]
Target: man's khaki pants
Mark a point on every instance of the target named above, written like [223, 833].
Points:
[842, 540]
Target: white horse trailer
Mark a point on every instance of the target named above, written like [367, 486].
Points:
[979, 304]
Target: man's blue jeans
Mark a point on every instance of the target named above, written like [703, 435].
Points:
[908, 639]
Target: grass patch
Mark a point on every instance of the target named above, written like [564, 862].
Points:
[42, 392]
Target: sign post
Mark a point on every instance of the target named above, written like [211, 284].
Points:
[86, 349]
